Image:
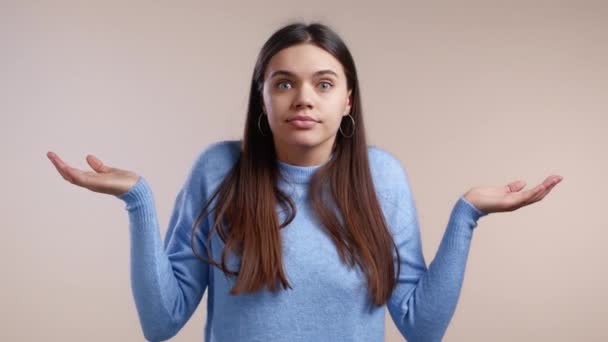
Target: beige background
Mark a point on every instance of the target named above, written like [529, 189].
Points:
[465, 94]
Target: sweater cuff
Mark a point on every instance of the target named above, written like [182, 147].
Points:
[462, 223]
[469, 209]
[140, 195]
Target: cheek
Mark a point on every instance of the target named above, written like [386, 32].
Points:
[333, 111]
[336, 102]
[277, 104]
[335, 122]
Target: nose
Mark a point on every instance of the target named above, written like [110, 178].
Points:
[304, 96]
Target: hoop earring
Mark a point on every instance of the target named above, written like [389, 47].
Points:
[259, 126]
[353, 129]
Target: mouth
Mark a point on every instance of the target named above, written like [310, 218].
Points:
[302, 122]
[303, 118]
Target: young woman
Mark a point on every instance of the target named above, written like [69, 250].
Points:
[301, 231]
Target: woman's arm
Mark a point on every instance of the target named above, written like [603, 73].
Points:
[424, 300]
[168, 280]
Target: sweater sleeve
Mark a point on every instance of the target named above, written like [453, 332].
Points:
[167, 280]
[424, 299]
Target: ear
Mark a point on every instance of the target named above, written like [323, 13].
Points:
[349, 103]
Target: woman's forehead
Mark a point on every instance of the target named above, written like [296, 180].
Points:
[304, 61]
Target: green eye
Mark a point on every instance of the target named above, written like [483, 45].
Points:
[281, 83]
[329, 85]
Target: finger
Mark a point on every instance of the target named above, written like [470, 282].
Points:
[520, 199]
[551, 180]
[55, 159]
[70, 174]
[543, 189]
[545, 193]
[60, 166]
[549, 184]
[516, 186]
[538, 195]
[97, 164]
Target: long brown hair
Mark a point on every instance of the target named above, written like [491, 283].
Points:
[342, 193]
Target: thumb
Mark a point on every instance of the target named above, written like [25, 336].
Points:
[516, 186]
[97, 164]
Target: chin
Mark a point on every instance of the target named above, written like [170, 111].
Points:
[306, 140]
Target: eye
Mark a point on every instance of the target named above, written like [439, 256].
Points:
[327, 86]
[280, 83]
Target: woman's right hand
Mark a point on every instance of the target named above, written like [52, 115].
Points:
[105, 179]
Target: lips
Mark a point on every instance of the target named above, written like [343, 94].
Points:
[302, 122]
[302, 118]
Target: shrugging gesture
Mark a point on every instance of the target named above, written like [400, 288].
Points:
[509, 197]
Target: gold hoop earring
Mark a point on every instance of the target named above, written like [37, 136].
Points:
[259, 125]
[353, 129]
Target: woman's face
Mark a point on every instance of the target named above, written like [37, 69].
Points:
[305, 96]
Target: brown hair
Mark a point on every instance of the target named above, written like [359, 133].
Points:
[342, 192]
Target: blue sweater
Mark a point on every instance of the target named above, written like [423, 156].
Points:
[328, 301]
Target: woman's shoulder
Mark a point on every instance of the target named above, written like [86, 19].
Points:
[382, 160]
[386, 169]
[221, 151]
[218, 157]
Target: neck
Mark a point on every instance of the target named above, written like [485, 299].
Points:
[304, 155]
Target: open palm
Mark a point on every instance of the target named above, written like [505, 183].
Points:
[104, 179]
[509, 197]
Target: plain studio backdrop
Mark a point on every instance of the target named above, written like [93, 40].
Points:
[464, 93]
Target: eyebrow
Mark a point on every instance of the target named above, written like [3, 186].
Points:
[291, 74]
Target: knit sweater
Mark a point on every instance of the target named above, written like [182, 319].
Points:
[328, 300]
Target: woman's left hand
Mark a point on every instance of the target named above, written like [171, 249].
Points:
[509, 197]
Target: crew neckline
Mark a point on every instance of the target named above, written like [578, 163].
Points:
[297, 173]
